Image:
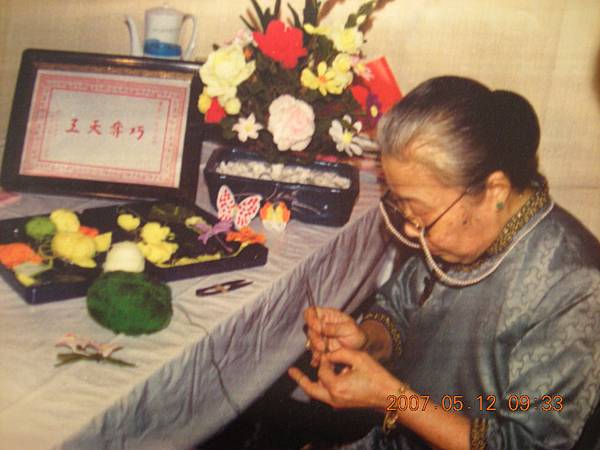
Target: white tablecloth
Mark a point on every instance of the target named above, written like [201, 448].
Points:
[217, 355]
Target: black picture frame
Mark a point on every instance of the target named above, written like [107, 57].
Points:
[178, 172]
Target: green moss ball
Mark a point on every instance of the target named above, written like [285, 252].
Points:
[129, 303]
[39, 227]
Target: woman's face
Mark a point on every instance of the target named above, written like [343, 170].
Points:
[462, 232]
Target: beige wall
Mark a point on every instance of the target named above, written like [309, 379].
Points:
[548, 50]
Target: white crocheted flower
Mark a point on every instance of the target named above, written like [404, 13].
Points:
[292, 123]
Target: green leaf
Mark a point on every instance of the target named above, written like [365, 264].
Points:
[118, 362]
[248, 24]
[67, 358]
[277, 9]
[169, 213]
[324, 50]
[260, 14]
[366, 9]
[351, 22]
[296, 16]
[227, 127]
[311, 12]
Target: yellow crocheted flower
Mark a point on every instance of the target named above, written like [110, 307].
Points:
[320, 30]
[128, 222]
[347, 40]
[158, 252]
[103, 241]
[324, 80]
[204, 102]
[154, 233]
[154, 246]
[75, 247]
[224, 70]
[64, 220]
[342, 67]
[190, 222]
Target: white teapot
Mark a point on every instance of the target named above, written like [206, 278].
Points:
[161, 34]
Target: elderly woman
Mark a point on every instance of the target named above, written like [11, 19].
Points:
[489, 337]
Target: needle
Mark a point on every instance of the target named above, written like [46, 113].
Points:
[312, 304]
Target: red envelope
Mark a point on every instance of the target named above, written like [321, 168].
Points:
[382, 84]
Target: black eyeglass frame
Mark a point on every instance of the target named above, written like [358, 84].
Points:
[387, 201]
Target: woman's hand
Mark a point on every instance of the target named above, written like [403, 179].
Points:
[362, 383]
[329, 330]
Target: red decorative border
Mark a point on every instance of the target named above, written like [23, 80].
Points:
[35, 163]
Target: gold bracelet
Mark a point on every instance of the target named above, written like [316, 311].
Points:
[391, 416]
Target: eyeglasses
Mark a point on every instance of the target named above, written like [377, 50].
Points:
[395, 217]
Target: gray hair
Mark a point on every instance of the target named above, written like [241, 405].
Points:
[463, 132]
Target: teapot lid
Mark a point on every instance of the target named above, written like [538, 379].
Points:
[164, 10]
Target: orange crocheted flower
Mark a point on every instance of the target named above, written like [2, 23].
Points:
[11, 255]
[246, 235]
[89, 231]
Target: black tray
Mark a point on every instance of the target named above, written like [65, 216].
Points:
[308, 203]
[74, 281]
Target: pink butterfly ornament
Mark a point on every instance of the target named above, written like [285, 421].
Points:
[240, 214]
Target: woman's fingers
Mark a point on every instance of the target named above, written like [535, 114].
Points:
[317, 343]
[330, 315]
[344, 356]
[329, 374]
[341, 329]
[316, 358]
[313, 389]
[312, 319]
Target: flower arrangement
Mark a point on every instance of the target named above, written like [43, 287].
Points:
[300, 87]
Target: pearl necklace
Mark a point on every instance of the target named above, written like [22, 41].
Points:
[444, 277]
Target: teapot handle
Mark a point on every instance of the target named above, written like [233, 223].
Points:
[192, 43]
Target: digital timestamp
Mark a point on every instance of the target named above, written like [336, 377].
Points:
[456, 403]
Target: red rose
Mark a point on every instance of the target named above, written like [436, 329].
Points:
[215, 113]
[281, 43]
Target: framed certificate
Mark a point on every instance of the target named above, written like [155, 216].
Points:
[104, 125]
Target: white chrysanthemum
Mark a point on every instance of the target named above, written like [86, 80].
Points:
[247, 127]
[347, 139]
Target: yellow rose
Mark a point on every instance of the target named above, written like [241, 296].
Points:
[153, 233]
[224, 70]
[64, 220]
[347, 40]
